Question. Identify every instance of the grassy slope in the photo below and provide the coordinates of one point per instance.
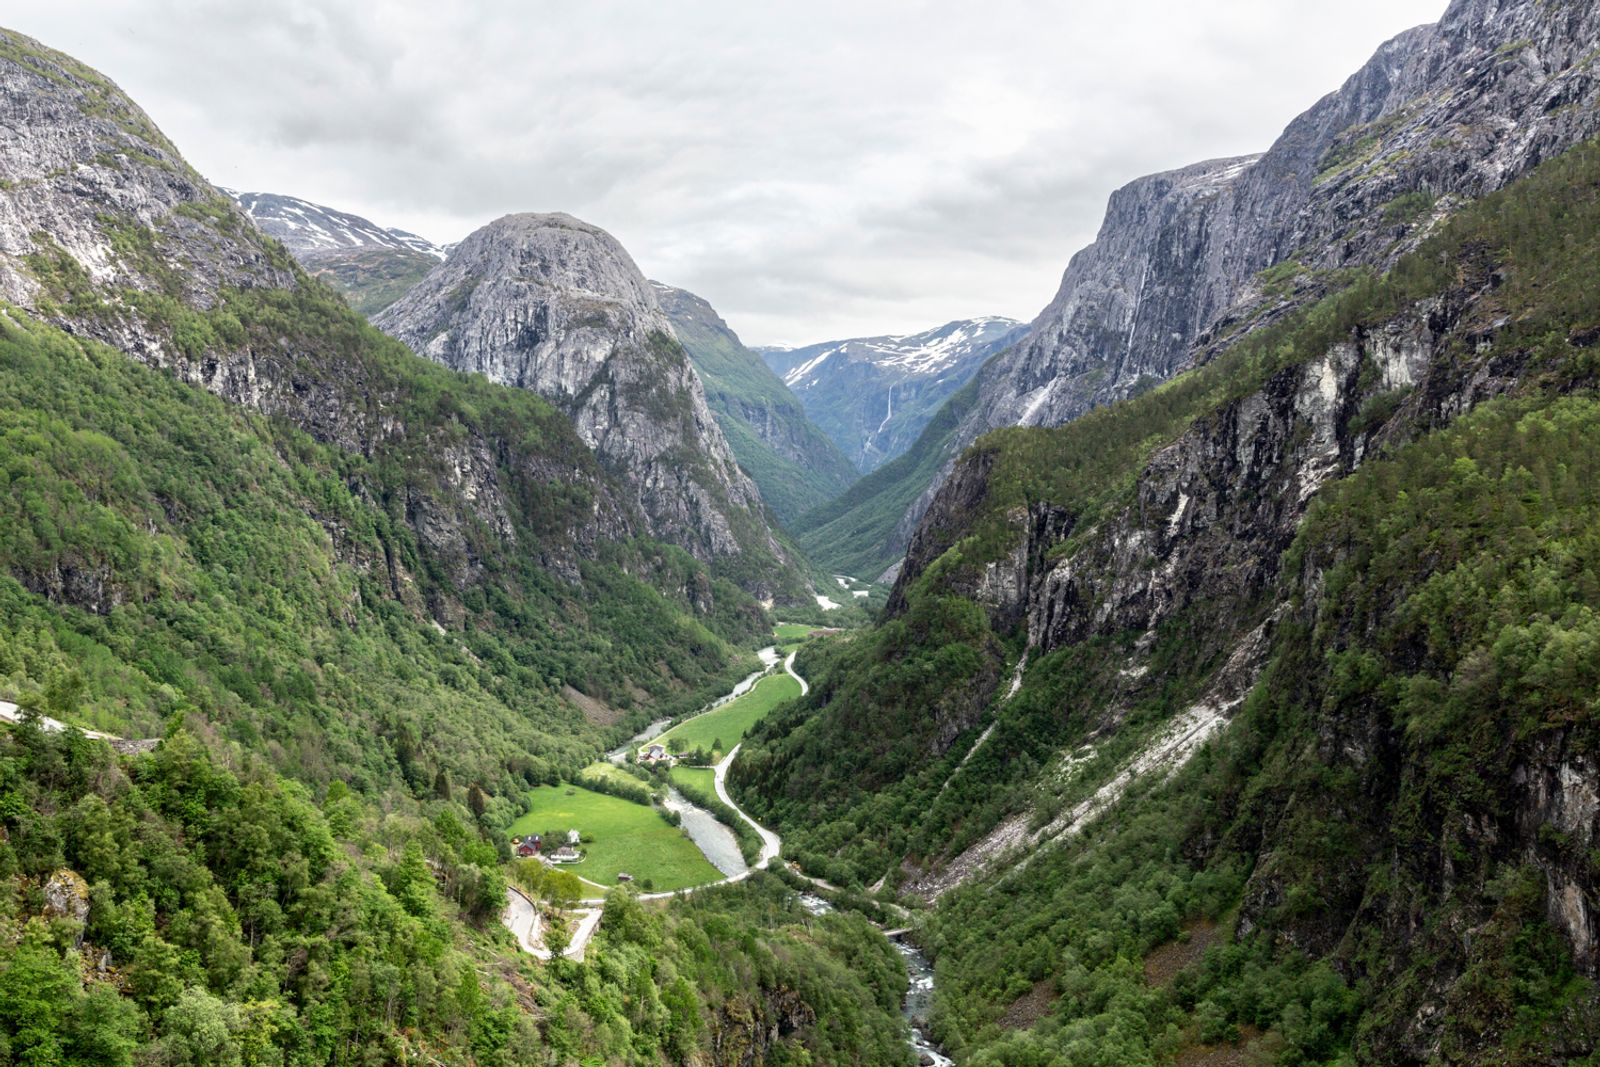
(372, 278)
(854, 533)
(740, 387)
(627, 837)
(734, 719)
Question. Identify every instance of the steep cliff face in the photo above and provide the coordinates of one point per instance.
(556, 306)
(875, 395)
(1331, 584)
(85, 173)
(1448, 111)
(794, 464)
(1187, 261)
(108, 233)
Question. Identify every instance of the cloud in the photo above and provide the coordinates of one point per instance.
(815, 170)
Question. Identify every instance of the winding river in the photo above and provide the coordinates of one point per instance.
(919, 992)
(721, 848)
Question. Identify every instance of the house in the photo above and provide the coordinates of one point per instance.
(565, 854)
(624, 876)
(573, 837)
(653, 754)
(527, 846)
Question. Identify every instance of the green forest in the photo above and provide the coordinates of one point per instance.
(1439, 619)
(209, 912)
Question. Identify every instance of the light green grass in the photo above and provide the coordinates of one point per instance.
(606, 769)
(731, 721)
(701, 778)
(627, 837)
(786, 632)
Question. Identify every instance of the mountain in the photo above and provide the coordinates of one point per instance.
(556, 306)
(245, 429)
(874, 395)
(371, 265)
(343, 608)
(1250, 718)
(792, 462)
(1440, 115)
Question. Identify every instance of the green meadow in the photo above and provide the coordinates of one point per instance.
(627, 837)
(733, 720)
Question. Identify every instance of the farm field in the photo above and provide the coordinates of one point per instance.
(695, 778)
(787, 633)
(730, 722)
(627, 837)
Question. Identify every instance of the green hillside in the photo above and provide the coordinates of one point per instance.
(1361, 841)
(854, 533)
(795, 465)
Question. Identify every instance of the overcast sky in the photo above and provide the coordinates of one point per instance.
(815, 169)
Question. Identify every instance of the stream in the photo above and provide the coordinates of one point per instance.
(721, 848)
(919, 991)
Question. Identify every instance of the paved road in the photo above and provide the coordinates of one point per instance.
(521, 916)
(9, 712)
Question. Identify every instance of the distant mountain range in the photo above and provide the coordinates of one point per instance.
(874, 395)
(372, 265)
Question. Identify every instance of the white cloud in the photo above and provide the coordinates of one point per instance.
(814, 169)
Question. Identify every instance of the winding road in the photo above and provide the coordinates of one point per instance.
(522, 917)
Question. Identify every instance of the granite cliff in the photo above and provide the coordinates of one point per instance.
(1188, 260)
(556, 306)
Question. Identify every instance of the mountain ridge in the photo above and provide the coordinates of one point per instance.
(1439, 115)
(549, 303)
(849, 387)
(795, 465)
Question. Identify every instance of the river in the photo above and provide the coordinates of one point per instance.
(721, 848)
(919, 991)
(707, 831)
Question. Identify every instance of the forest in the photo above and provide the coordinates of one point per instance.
(1435, 622)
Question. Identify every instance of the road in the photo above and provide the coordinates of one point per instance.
(9, 712)
(521, 916)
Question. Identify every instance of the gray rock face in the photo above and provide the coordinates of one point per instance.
(552, 304)
(874, 395)
(78, 163)
(1440, 114)
(1214, 510)
(99, 214)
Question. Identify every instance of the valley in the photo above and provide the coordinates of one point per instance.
(477, 654)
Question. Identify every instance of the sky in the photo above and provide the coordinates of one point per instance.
(816, 169)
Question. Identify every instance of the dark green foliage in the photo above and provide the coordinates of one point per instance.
(195, 557)
(1366, 835)
(240, 924)
(846, 785)
(794, 464)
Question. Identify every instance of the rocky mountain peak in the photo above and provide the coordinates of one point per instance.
(308, 229)
(874, 395)
(1439, 115)
(553, 304)
(90, 186)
